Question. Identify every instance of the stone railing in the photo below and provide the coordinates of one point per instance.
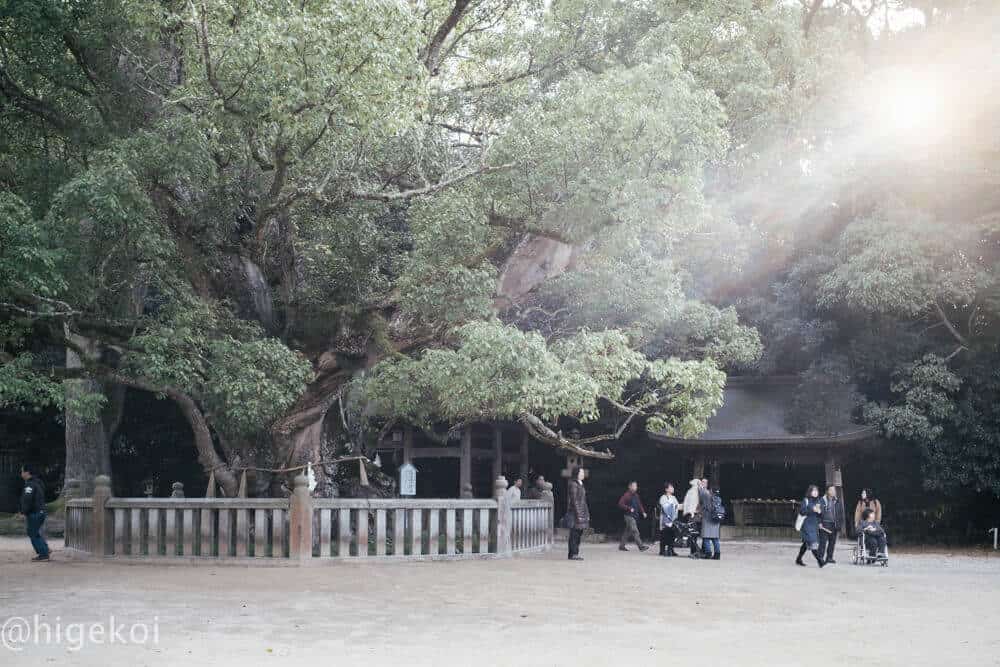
(532, 525)
(303, 529)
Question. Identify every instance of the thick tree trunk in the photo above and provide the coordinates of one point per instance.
(88, 442)
(298, 436)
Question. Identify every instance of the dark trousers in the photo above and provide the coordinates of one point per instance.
(574, 541)
(827, 543)
(875, 542)
(631, 532)
(667, 535)
(33, 524)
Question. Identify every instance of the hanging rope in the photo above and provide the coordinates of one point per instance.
(293, 468)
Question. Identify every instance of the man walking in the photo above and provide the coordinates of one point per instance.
(830, 520)
(632, 507)
(33, 511)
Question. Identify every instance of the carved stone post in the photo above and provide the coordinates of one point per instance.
(73, 488)
(300, 522)
(178, 490)
(100, 527)
(550, 527)
(504, 516)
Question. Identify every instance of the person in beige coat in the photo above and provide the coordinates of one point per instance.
(867, 501)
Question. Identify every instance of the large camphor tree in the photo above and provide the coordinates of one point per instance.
(302, 221)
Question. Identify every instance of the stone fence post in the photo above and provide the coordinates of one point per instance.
(550, 527)
(177, 490)
(100, 526)
(504, 516)
(300, 537)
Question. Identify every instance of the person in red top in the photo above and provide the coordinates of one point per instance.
(632, 508)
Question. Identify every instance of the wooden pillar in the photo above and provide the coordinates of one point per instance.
(497, 451)
(408, 444)
(465, 465)
(714, 475)
(835, 478)
(524, 456)
(699, 467)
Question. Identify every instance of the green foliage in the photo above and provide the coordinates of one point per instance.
(21, 385)
(244, 380)
(901, 263)
(28, 262)
(497, 372)
(380, 182)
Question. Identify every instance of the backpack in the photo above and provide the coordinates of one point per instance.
(718, 511)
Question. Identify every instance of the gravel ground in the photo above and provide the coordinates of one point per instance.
(754, 607)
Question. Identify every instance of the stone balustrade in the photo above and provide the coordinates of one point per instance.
(301, 529)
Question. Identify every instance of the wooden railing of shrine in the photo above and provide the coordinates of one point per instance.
(301, 529)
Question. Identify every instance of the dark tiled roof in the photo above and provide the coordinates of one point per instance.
(754, 411)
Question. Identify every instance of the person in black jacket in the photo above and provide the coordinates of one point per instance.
(830, 521)
(33, 511)
(811, 509)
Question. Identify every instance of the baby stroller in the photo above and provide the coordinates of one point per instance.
(866, 551)
(686, 533)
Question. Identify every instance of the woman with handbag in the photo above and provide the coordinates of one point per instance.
(810, 513)
(577, 517)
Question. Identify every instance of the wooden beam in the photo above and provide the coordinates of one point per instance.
(436, 452)
(497, 451)
(465, 466)
(524, 454)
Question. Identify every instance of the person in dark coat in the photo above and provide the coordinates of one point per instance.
(812, 511)
(33, 511)
(830, 522)
(711, 529)
(580, 512)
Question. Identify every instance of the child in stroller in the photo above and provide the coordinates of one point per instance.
(871, 546)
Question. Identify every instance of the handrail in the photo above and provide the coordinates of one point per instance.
(198, 503)
(399, 503)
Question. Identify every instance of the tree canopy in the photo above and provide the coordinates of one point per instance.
(445, 212)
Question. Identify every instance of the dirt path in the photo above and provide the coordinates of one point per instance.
(752, 608)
